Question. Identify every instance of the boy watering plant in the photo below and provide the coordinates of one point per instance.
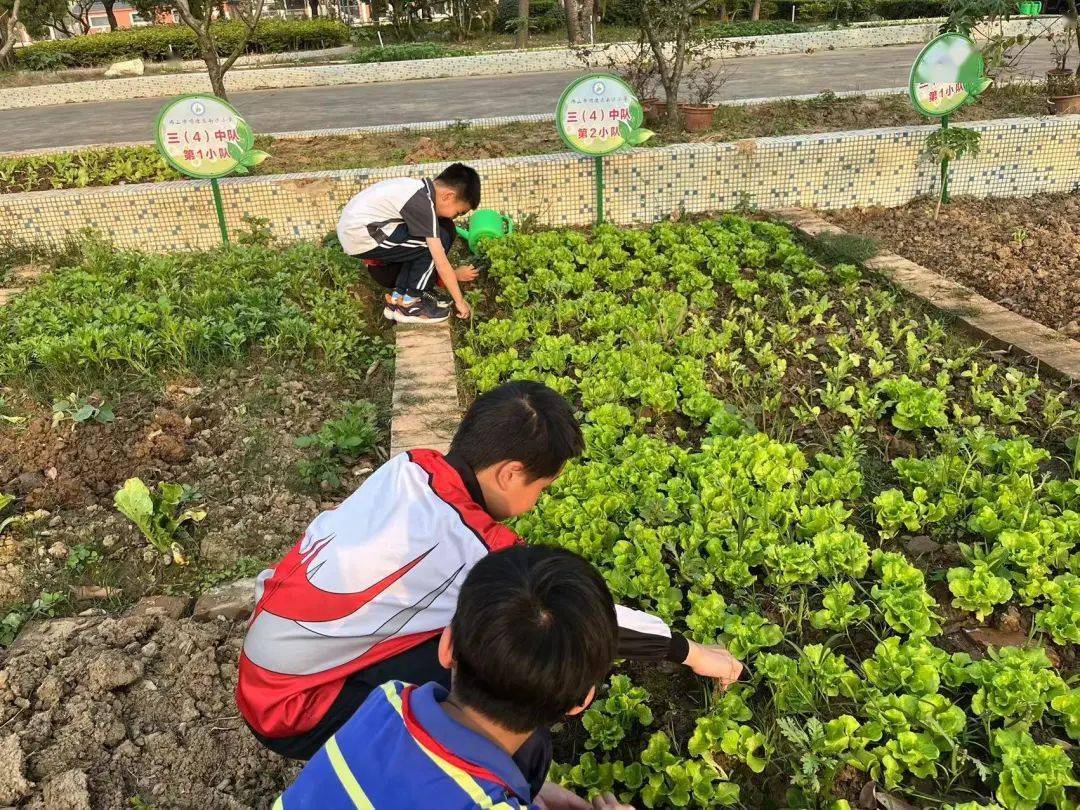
(364, 596)
(533, 634)
(403, 230)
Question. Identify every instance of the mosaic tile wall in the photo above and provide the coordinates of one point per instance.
(489, 64)
(1019, 157)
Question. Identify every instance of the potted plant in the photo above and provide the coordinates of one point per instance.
(704, 83)
(1063, 82)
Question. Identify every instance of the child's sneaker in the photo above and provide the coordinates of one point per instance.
(420, 310)
(393, 301)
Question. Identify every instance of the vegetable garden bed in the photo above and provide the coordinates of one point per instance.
(1021, 253)
(249, 383)
(827, 112)
(796, 460)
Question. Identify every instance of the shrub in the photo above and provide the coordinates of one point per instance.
(753, 28)
(405, 52)
(157, 43)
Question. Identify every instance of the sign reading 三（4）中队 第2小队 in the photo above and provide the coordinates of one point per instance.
(598, 114)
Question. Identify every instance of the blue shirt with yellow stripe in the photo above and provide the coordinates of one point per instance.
(401, 750)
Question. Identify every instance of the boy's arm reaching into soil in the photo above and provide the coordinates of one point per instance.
(644, 637)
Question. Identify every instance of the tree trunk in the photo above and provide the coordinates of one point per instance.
(523, 23)
(573, 35)
(314, 6)
(7, 41)
(109, 13)
(588, 21)
(214, 71)
(755, 12)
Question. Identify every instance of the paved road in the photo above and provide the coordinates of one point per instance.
(438, 99)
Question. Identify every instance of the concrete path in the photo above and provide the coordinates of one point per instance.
(476, 97)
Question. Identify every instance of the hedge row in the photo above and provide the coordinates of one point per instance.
(405, 52)
(156, 43)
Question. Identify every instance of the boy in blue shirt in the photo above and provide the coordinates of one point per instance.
(534, 632)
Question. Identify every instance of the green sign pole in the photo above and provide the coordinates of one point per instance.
(599, 114)
(945, 166)
(599, 190)
(947, 74)
(216, 188)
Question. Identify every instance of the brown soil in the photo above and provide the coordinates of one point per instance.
(97, 711)
(231, 438)
(1021, 253)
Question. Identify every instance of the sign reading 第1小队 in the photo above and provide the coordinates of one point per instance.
(205, 137)
(598, 114)
(947, 74)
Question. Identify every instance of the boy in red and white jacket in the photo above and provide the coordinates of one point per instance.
(364, 596)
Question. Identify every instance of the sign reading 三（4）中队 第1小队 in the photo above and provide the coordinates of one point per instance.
(598, 114)
(946, 75)
(205, 138)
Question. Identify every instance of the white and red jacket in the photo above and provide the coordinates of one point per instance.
(372, 578)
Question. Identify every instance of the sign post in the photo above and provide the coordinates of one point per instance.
(947, 74)
(599, 114)
(205, 138)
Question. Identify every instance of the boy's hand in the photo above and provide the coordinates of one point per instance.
(462, 307)
(556, 797)
(606, 801)
(713, 661)
(466, 273)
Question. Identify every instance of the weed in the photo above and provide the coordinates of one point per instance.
(80, 409)
(80, 557)
(338, 442)
(45, 606)
(837, 248)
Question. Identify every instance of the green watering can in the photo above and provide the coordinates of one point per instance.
(486, 223)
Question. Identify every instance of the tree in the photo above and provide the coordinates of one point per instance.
(573, 34)
(755, 10)
(9, 22)
(199, 16)
(668, 27)
(587, 20)
(523, 23)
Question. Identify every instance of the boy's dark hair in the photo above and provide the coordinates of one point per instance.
(464, 181)
(534, 630)
(519, 421)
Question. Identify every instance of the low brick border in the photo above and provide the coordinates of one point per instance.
(425, 407)
(990, 321)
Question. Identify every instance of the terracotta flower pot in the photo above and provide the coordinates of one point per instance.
(1063, 87)
(697, 118)
(653, 108)
(1066, 105)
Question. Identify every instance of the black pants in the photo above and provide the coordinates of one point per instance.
(418, 666)
(408, 267)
